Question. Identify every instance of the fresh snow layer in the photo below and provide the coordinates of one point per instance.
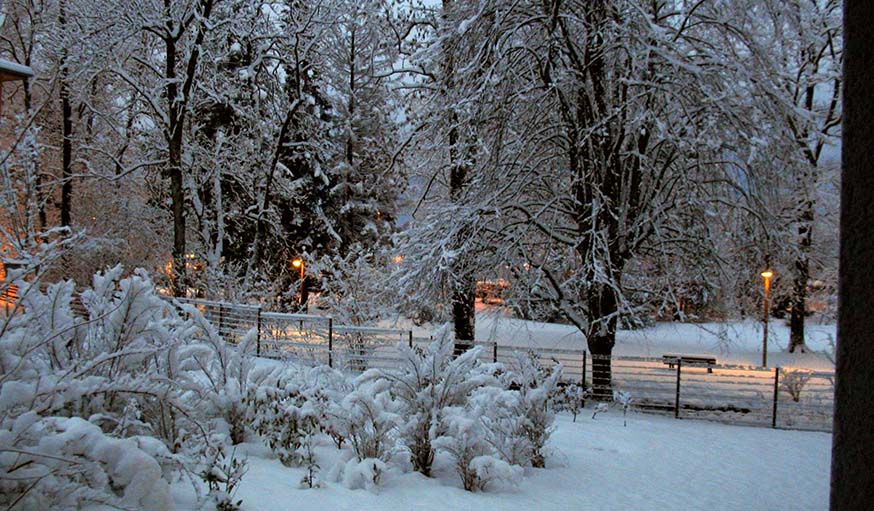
(653, 463)
(738, 342)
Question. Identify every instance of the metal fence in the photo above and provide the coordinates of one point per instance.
(305, 338)
(776, 397)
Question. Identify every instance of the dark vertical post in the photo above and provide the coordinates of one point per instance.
(852, 471)
(258, 326)
(495, 352)
(583, 375)
(221, 319)
(677, 399)
(776, 395)
(765, 315)
(411, 339)
(330, 342)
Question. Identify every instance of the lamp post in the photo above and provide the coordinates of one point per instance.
(298, 263)
(767, 274)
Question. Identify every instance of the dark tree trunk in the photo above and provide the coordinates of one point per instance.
(463, 316)
(177, 106)
(42, 217)
(603, 306)
(66, 157)
(67, 131)
(462, 284)
(852, 470)
(281, 139)
(798, 310)
(174, 166)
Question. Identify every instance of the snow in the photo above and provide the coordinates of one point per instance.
(738, 342)
(653, 463)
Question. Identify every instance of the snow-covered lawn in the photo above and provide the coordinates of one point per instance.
(654, 463)
(738, 342)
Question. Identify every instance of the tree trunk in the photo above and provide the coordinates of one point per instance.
(798, 310)
(463, 316)
(174, 168)
(601, 348)
(177, 105)
(463, 286)
(603, 307)
(42, 217)
(852, 470)
(67, 131)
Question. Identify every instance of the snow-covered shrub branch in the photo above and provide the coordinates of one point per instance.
(428, 382)
(521, 412)
(103, 404)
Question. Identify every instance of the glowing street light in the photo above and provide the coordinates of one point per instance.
(297, 262)
(767, 274)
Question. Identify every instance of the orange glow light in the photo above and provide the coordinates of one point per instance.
(767, 274)
(296, 263)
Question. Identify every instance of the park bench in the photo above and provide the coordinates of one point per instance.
(696, 360)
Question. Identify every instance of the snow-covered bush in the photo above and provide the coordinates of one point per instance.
(500, 412)
(307, 455)
(290, 404)
(427, 382)
(285, 416)
(65, 462)
(71, 386)
(794, 381)
(601, 407)
(222, 474)
(367, 418)
(623, 399)
(466, 439)
(524, 409)
(98, 406)
(571, 398)
(219, 374)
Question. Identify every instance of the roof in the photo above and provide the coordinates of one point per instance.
(11, 71)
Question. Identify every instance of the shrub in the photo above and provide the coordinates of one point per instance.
(466, 439)
(428, 382)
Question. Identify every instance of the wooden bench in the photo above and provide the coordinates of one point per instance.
(695, 360)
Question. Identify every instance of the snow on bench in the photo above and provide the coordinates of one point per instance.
(707, 360)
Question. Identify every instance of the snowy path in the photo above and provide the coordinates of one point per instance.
(654, 463)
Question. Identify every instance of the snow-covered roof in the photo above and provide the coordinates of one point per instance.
(12, 71)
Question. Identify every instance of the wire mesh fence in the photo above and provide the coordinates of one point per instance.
(777, 397)
(685, 386)
(232, 321)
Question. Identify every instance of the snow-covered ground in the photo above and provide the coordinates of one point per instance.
(731, 342)
(653, 463)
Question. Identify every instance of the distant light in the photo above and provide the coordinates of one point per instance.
(297, 262)
(767, 274)
(399, 259)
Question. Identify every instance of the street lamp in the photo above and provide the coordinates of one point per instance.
(297, 262)
(767, 274)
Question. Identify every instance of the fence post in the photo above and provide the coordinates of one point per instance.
(411, 339)
(583, 374)
(258, 338)
(330, 342)
(495, 352)
(677, 401)
(221, 318)
(776, 394)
